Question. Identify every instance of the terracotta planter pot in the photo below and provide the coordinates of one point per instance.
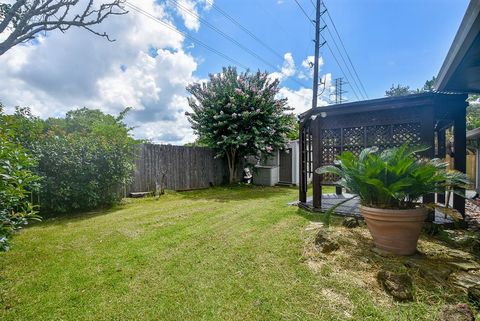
(395, 231)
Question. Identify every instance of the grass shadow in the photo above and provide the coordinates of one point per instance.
(237, 192)
(65, 218)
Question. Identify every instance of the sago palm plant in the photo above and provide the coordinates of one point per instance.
(395, 178)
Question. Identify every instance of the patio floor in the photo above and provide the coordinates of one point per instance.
(352, 207)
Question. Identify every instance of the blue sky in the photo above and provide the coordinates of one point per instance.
(149, 66)
(389, 41)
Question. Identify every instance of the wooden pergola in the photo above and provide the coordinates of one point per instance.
(426, 119)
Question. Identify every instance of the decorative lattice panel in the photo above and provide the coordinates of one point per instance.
(331, 137)
(329, 154)
(309, 152)
(354, 136)
(406, 133)
(380, 136)
(356, 150)
(355, 139)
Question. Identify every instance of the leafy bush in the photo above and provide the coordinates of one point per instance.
(17, 182)
(394, 178)
(240, 114)
(84, 158)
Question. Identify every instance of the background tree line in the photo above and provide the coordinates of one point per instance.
(61, 165)
(473, 109)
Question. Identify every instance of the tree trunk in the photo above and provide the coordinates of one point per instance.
(231, 159)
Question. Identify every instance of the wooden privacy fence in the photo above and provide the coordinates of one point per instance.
(184, 168)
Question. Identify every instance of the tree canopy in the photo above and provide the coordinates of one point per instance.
(401, 90)
(23, 20)
(83, 159)
(239, 115)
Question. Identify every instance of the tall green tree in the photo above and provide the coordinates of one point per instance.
(473, 109)
(428, 86)
(239, 115)
(24, 20)
(398, 90)
(401, 90)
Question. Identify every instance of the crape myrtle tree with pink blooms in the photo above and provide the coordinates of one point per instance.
(239, 114)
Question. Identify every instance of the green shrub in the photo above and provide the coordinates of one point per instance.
(394, 178)
(17, 182)
(84, 159)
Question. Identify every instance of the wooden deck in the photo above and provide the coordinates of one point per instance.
(352, 207)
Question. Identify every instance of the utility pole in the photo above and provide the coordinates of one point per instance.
(317, 179)
(339, 90)
(318, 45)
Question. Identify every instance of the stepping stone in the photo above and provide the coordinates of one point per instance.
(459, 312)
(464, 279)
(430, 270)
(325, 244)
(399, 286)
(350, 222)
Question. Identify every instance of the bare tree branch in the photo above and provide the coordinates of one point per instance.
(25, 19)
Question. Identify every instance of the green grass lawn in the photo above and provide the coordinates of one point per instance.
(219, 254)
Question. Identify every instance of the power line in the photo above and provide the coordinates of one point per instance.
(346, 52)
(231, 39)
(343, 59)
(364, 93)
(303, 10)
(318, 45)
(251, 34)
(223, 34)
(343, 72)
(226, 57)
(331, 51)
(148, 15)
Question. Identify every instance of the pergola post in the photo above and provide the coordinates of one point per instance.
(460, 151)
(302, 178)
(316, 162)
(428, 139)
(441, 153)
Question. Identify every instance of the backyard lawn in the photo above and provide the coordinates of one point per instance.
(227, 253)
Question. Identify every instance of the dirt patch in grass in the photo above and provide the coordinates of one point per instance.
(434, 269)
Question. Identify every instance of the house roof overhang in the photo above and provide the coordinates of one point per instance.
(460, 71)
(391, 103)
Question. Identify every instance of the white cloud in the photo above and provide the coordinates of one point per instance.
(189, 11)
(301, 99)
(76, 69)
(288, 68)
